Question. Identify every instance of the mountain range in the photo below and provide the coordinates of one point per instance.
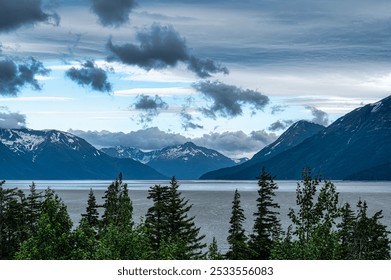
(27, 154)
(357, 146)
(185, 161)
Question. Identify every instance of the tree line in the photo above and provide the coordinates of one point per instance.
(36, 225)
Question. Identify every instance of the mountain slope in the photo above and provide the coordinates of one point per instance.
(186, 161)
(356, 146)
(51, 154)
(293, 136)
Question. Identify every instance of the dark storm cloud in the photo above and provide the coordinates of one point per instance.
(151, 106)
(90, 75)
(113, 12)
(320, 117)
(10, 119)
(205, 67)
(161, 47)
(17, 13)
(14, 76)
(227, 100)
(280, 125)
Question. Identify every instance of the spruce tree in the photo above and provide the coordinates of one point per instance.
(33, 207)
(156, 217)
(370, 237)
(12, 221)
(52, 239)
(118, 209)
(169, 226)
(181, 227)
(92, 215)
(213, 251)
(237, 239)
(267, 226)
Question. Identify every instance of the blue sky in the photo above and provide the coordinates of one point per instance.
(229, 75)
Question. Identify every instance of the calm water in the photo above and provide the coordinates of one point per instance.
(212, 200)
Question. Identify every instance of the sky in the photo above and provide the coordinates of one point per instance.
(227, 75)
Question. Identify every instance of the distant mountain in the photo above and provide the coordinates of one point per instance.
(186, 161)
(293, 136)
(130, 152)
(357, 146)
(52, 154)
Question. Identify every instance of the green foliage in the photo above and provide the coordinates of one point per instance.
(12, 221)
(38, 226)
(366, 238)
(213, 251)
(237, 239)
(169, 225)
(91, 217)
(118, 208)
(267, 226)
(51, 241)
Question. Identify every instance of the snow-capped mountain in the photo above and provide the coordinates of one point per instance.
(186, 161)
(52, 154)
(130, 152)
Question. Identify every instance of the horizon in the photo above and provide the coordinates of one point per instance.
(233, 76)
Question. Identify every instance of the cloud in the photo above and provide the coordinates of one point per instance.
(113, 13)
(151, 106)
(10, 119)
(13, 76)
(228, 101)
(147, 139)
(187, 119)
(280, 125)
(90, 75)
(237, 143)
(161, 47)
(320, 117)
(15, 14)
(233, 144)
(277, 109)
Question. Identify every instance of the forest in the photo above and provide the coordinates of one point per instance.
(36, 225)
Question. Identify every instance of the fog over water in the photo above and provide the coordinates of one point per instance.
(212, 200)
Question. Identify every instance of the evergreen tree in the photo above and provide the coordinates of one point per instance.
(169, 226)
(12, 221)
(181, 227)
(267, 226)
(118, 209)
(315, 220)
(370, 237)
(156, 217)
(237, 239)
(345, 231)
(52, 238)
(92, 215)
(33, 207)
(213, 251)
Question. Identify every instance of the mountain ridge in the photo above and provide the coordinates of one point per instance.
(53, 154)
(357, 143)
(185, 161)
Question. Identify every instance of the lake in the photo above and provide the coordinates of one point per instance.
(212, 200)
